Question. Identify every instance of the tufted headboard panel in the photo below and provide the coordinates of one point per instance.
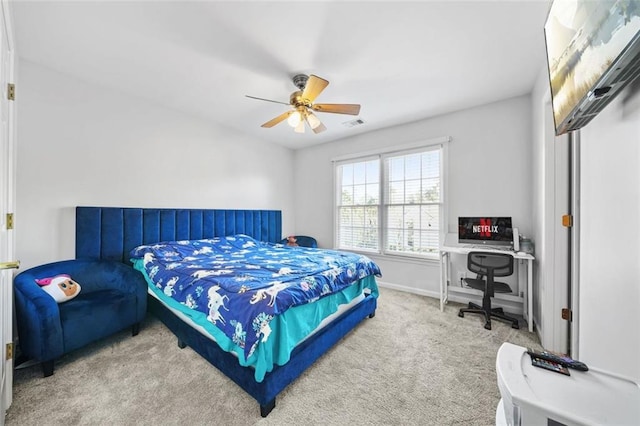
(111, 232)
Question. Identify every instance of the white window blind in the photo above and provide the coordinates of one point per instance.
(391, 203)
(359, 205)
(412, 202)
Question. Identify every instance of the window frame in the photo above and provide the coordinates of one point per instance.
(383, 202)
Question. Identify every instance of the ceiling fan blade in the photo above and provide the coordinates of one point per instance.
(277, 120)
(268, 100)
(315, 85)
(313, 122)
(351, 109)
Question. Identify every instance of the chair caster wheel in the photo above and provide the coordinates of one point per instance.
(488, 326)
(516, 326)
(461, 314)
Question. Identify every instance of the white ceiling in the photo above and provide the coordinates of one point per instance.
(402, 61)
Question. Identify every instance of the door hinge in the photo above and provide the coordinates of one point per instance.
(566, 314)
(567, 220)
(11, 92)
(9, 220)
(9, 351)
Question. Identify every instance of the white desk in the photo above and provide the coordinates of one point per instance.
(445, 273)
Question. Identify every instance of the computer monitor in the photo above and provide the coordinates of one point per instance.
(485, 230)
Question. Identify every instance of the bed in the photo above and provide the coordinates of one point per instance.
(202, 304)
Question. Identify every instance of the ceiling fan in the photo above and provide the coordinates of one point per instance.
(301, 101)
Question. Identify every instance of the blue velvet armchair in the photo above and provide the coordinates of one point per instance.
(113, 297)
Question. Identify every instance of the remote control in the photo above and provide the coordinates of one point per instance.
(560, 359)
(549, 365)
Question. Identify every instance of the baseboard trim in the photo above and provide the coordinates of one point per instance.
(508, 307)
(407, 289)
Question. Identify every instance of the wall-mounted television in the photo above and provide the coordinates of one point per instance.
(485, 230)
(593, 52)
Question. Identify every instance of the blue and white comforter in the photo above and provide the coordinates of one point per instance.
(241, 283)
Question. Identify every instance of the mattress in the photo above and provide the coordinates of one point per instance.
(258, 300)
(288, 330)
(341, 308)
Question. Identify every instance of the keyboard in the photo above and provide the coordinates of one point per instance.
(490, 247)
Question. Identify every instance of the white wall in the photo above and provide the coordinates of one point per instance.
(489, 174)
(550, 200)
(79, 144)
(538, 161)
(609, 332)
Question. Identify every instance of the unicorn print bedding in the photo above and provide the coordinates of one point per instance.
(256, 299)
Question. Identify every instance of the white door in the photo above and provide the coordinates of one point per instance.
(7, 200)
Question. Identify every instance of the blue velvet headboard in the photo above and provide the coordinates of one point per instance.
(111, 232)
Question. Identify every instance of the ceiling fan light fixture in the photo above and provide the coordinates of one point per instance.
(300, 127)
(313, 121)
(294, 119)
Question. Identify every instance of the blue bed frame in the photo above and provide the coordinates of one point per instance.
(111, 232)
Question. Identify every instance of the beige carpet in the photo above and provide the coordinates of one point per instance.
(410, 365)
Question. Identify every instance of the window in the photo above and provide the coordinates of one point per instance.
(359, 205)
(391, 203)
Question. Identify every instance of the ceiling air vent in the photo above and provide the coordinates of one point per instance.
(353, 123)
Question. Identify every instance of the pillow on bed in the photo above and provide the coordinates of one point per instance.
(60, 287)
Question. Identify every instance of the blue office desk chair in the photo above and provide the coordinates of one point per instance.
(489, 265)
